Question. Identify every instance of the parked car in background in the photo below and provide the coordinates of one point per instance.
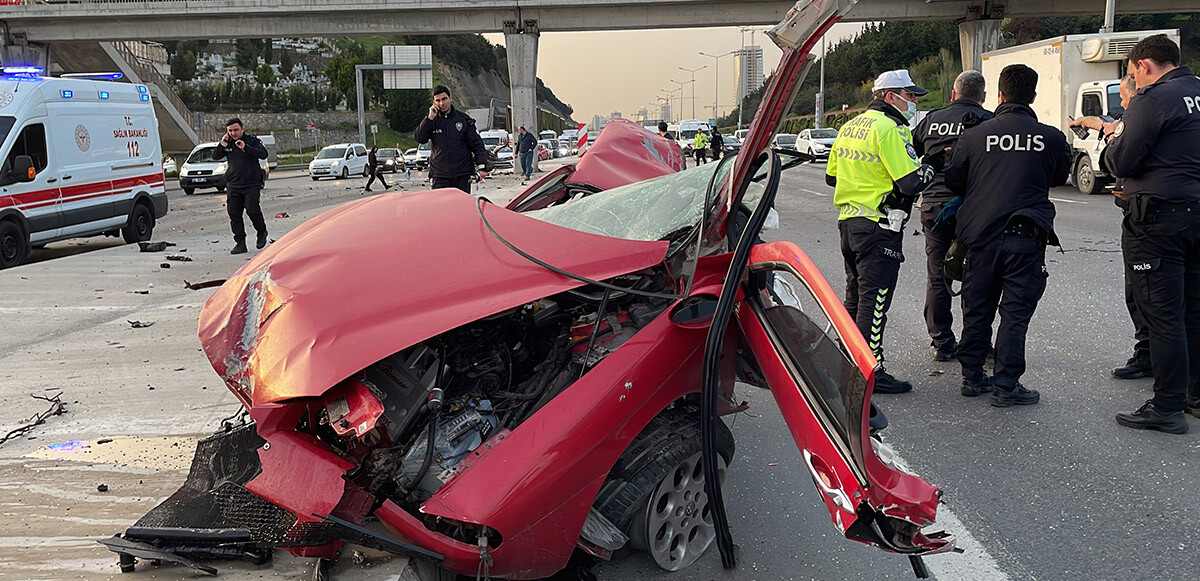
(411, 157)
(169, 164)
(424, 152)
(495, 137)
(340, 161)
(784, 141)
(543, 152)
(502, 156)
(201, 171)
(547, 134)
(390, 159)
(548, 145)
(564, 148)
(730, 145)
(741, 134)
(816, 142)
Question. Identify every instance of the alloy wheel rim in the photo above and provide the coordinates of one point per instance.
(679, 524)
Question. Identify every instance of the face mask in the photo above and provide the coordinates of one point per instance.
(911, 111)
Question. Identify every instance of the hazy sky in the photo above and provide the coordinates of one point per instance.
(601, 72)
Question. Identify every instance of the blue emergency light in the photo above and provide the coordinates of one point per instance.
(22, 70)
(142, 89)
(103, 94)
(145, 97)
(94, 76)
(67, 93)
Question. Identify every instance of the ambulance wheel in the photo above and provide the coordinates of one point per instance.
(140, 226)
(189, 191)
(14, 244)
(1085, 178)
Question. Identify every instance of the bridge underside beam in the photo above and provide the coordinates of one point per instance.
(248, 18)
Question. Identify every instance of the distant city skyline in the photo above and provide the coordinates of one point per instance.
(600, 72)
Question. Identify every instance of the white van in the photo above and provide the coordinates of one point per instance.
(81, 157)
(547, 134)
(688, 128)
(342, 160)
(201, 171)
(494, 138)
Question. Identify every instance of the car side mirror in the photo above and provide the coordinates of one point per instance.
(22, 171)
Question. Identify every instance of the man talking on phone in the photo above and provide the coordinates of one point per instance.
(244, 180)
(456, 148)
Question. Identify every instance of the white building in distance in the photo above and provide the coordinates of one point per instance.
(750, 71)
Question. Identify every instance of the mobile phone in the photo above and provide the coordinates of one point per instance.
(1079, 130)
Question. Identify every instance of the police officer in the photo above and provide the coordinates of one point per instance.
(874, 170)
(1004, 169)
(1156, 149)
(457, 147)
(244, 180)
(1138, 366)
(933, 137)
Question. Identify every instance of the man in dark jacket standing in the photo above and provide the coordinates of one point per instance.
(1156, 149)
(244, 180)
(456, 148)
(1005, 168)
(717, 144)
(526, 146)
(934, 135)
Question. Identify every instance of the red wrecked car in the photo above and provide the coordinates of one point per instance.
(489, 390)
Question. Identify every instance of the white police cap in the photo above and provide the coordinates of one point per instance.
(898, 79)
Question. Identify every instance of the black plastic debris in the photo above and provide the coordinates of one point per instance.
(205, 284)
(154, 246)
(165, 265)
(103, 440)
(102, 488)
(140, 324)
(179, 258)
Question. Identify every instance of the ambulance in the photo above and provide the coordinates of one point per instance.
(81, 157)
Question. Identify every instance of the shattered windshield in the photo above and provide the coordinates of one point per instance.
(664, 207)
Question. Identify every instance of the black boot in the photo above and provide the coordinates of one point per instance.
(1003, 398)
(1137, 367)
(262, 239)
(976, 387)
(1149, 417)
(239, 248)
(945, 351)
(1194, 409)
(885, 383)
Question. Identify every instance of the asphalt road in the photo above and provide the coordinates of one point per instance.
(1048, 492)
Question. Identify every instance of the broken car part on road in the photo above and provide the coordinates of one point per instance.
(543, 396)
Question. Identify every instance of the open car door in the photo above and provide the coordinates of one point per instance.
(821, 372)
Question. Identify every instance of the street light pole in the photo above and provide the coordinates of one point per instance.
(821, 92)
(717, 79)
(693, 81)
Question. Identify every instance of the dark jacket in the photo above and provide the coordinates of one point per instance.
(941, 129)
(526, 143)
(457, 147)
(716, 142)
(1156, 147)
(372, 161)
(1005, 167)
(242, 170)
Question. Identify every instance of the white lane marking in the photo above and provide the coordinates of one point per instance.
(1066, 201)
(813, 193)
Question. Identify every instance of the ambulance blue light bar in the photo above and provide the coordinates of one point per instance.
(94, 76)
(23, 70)
(67, 93)
(103, 94)
(142, 89)
(145, 97)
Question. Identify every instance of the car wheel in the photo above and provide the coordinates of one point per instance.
(1085, 178)
(315, 178)
(345, 172)
(366, 172)
(264, 176)
(655, 492)
(14, 244)
(189, 191)
(220, 189)
(140, 226)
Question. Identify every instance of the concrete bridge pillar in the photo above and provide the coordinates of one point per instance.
(521, 43)
(976, 37)
(26, 54)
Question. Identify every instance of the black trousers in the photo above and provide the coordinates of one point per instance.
(244, 200)
(1163, 256)
(872, 256)
(701, 156)
(1008, 273)
(716, 154)
(376, 174)
(1141, 333)
(463, 183)
(939, 318)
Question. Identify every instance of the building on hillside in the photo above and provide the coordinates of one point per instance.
(750, 71)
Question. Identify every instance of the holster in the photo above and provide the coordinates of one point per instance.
(1141, 209)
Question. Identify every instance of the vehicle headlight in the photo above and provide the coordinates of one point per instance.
(221, 167)
(336, 163)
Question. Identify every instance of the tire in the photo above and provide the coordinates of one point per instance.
(14, 244)
(316, 179)
(668, 444)
(366, 172)
(220, 189)
(189, 191)
(1085, 178)
(264, 176)
(140, 227)
(345, 172)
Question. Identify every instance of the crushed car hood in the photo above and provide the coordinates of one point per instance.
(373, 277)
(623, 154)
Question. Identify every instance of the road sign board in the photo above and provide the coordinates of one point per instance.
(297, 133)
(419, 57)
(374, 128)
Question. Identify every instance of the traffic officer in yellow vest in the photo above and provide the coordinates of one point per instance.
(877, 177)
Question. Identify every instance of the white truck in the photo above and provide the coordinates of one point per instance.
(1078, 75)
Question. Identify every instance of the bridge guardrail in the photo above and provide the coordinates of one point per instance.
(150, 76)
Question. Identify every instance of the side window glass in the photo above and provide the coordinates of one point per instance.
(360, 150)
(1092, 105)
(32, 142)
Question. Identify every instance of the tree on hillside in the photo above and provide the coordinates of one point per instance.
(247, 52)
(183, 66)
(406, 108)
(287, 62)
(264, 75)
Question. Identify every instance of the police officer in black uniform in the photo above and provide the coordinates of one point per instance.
(1005, 168)
(1156, 149)
(934, 135)
(457, 147)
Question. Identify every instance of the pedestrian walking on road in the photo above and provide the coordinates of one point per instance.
(1155, 148)
(1004, 168)
(375, 169)
(876, 177)
(243, 181)
(700, 147)
(716, 144)
(526, 147)
(934, 136)
(457, 149)
(1139, 365)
